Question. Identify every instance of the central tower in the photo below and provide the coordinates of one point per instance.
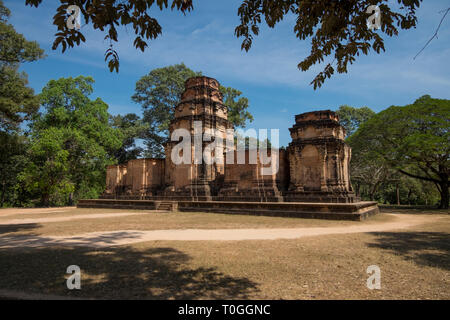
(201, 106)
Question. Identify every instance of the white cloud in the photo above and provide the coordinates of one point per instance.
(210, 46)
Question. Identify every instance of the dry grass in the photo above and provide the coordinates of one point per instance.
(414, 210)
(148, 220)
(9, 214)
(415, 263)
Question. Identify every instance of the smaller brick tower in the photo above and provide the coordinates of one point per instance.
(319, 159)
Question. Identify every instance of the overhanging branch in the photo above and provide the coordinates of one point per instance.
(418, 177)
(435, 33)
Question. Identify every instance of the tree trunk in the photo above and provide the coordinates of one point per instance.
(398, 194)
(45, 199)
(358, 194)
(373, 190)
(3, 195)
(444, 195)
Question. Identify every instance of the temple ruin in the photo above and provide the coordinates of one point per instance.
(312, 172)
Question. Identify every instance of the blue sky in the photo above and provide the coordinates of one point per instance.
(267, 75)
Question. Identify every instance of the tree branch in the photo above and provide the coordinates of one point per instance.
(418, 177)
(435, 33)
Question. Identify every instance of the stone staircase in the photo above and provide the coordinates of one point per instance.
(267, 192)
(166, 206)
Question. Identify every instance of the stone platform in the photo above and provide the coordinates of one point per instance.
(332, 211)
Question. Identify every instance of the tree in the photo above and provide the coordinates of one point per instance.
(106, 16)
(14, 48)
(336, 28)
(414, 140)
(237, 109)
(159, 92)
(132, 128)
(17, 103)
(69, 143)
(47, 174)
(403, 190)
(367, 169)
(12, 162)
(351, 118)
(17, 100)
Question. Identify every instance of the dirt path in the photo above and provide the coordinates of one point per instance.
(125, 237)
(29, 211)
(70, 218)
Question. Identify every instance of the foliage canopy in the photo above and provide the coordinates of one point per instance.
(17, 100)
(159, 92)
(69, 142)
(414, 140)
(337, 29)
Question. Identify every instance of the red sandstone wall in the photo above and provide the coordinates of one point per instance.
(115, 177)
(143, 174)
(246, 176)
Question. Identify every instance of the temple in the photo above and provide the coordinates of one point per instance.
(312, 172)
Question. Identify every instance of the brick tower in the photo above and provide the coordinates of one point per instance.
(319, 159)
(201, 104)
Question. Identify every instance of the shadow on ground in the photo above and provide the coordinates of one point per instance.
(33, 263)
(424, 248)
(118, 273)
(12, 238)
(8, 228)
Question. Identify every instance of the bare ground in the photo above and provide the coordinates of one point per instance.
(315, 260)
(124, 237)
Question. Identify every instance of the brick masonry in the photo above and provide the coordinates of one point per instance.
(313, 169)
